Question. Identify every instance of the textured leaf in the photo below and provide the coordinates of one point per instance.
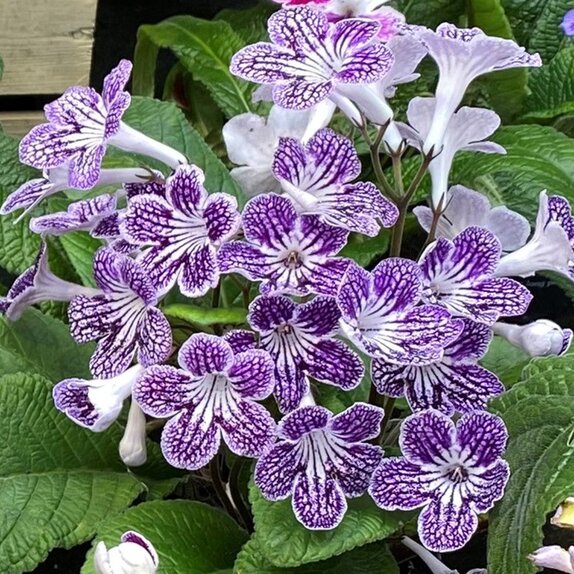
(373, 558)
(539, 414)
(80, 248)
(58, 482)
(205, 49)
(286, 543)
(164, 122)
(37, 343)
(431, 12)
(206, 316)
(250, 24)
(505, 360)
(190, 537)
(364, 250)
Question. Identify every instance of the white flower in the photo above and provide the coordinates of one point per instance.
(134, 555)
(133, 449)
(541, 338)
(554, 557)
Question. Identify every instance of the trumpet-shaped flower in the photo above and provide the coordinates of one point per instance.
(554, 557)
(321, 460)
(212, 395)
(134, 555)
(122, 317)
(288, 252)
(133, 447)
(453, 472)
(318, 178)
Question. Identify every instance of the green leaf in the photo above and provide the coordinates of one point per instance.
(373, 558)
(250, 24)
(507, 89)
(505, 360)
(37, 343)
(539, 415)
(206, 317)
(552, 87)
(190, 537)
(80, 248)
(431, 13)
(204, 48)
(364, 250)
(58, 482)
(164, 122)
(286, 543)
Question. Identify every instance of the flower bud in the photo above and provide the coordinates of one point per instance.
(133, 450)
(134, 555)
(541, 338)
(554, 557)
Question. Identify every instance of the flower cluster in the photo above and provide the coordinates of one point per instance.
(316, 321)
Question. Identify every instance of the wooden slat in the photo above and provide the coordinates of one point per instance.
(19, 123)
(46, 45)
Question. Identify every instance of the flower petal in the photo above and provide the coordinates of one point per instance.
(27, 195)
(114, 353)
(353, 292)
(426, 437)
(388, 378)
(184, 189)
(241, 257)
(221, 217)
(366, 65)
(89, 318)
(147, 220)
(303, 421)
(353, 33)
(291, 384)
(200, 272)
(301, 94)
(267, 219)
(276, 470)
(488, 486)
(289, 160)
(85, 167)
(482, 437)
(116, 80)
(331, 361)
(355, 468)
(154, 338)
(396, 284)
(204, 354)
(319, 317)
(252, 374)
(241, 340)
(262, 62)
(267, 312)
(300, 30)
(318, 504)
(359, 422)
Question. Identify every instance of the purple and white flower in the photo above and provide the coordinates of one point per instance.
(308, 60)
(551, 247)
(452, 383)
(288, 252)
(554, 557)
(134, 555)
(212, 395)
(459, 275)
(567, 24)
(541, 338)
(122, 317)
(82, 124)
(453, 472)
(318, 178)
(38, 284)
(462, 55)
(182, 232)
(301, 340)
(466, 130)
(469, 208)
(321, 460)
(382, 316)
(97, 403)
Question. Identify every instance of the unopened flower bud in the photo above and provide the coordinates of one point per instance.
(134, 555)
(133, 450)
(554, 557)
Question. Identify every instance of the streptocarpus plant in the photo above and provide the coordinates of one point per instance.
(302, 386)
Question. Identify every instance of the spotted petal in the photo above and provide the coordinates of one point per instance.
(154, 338)
(204, 354)
(318, 503)
(276, 471)
(252, 374)
(359, 422)
(331, 361)
(303, 421)
(483, 437)
(425, 437)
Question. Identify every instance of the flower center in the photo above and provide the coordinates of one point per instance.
(284, 329)
(458, 474)
(294, 260)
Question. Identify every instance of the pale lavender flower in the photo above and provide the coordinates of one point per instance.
(318, 178)
(455, 382)
(453, 472)
(463, 54)
(181, 233)
(321, 460)
(134, 555)
(541, 338)
(554, 557)
(466, 131)
(551, 248)
(95, 404)
(212, 396)
(82, 124)
(382, 316)
(38, 284)
(301, 340)
(567, 24)
(288, 252)
(122, 317)
(308, 59)
(469, 208)
(459, 275)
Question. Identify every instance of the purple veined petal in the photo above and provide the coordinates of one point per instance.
(328, 277)
(115, 113)
(397, 285)
(190, 442)
(559, 210)
(136, 279)
(154, 338)
(289, 161)
(359, 422)
(301, 94)
(267, 312)
(251, 374)
(318, 503)
(302, 421)
(45, 147)
(27, 195)
(356, 466)
(221, 217)
(250, 431)
(398, 484)
(482, 437)
(488, 486)
(204, 354)
(366, 65)
(85, 167)
(319, 238)
(291, 384)
(154, 186)
(77, 106)
(267, 219)
(472, 343)
(388, 378)
(241, 257)
(276, 470)
(116, 80)
(319, 317)
(107, 271)
(162, 390)
(353, 292)
(302, 30)
(184, 189)
(148, 220)
(353, 33)
(446, 526)
(331, 361)
(136, 538)
(114, 353)
(241, 340)
(262, 63)
(476, 385)
(90, 318)
(427, 437)
(108, 227)
(200, 272)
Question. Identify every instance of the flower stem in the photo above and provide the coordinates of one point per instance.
(220, 488)
(389, 406)
(374, 149)
(235, 490)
